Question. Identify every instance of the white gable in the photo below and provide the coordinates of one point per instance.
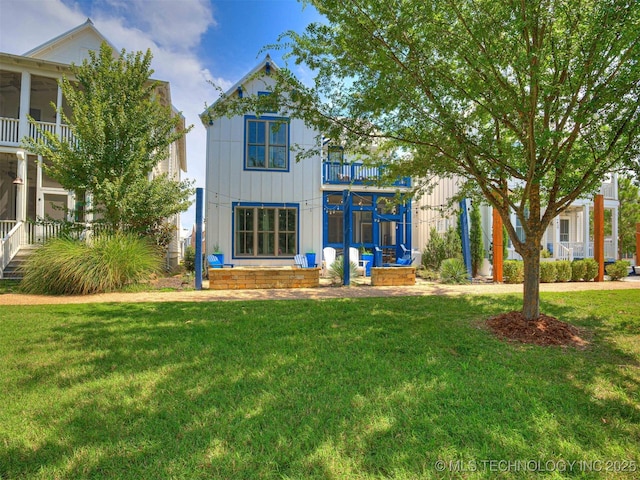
(72, 46)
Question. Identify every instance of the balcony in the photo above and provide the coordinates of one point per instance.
(336, 173)
(608, 191)
(10, 131)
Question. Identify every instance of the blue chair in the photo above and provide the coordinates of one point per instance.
(214, 262)
(404, 261)
(300, 261)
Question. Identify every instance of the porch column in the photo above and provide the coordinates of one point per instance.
(58, 115)
(585, 228)
(598, 235)
(614, 233)
(39, 194)
(556, 237)
(21, 188)
(25, 104)
(498, 246)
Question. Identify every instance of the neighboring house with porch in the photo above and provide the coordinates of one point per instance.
(28, 86)
(262, 207)
(568, 237)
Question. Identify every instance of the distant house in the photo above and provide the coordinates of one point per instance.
(568, 237)
(28, 86)
(262, 207)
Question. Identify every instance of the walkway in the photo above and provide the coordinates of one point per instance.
(324, 292)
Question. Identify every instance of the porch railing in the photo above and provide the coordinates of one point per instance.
(10, 244)
(565, 252)
(337, 173)
(578, 249)
(608, 191)
(9, 130)
(45, 126)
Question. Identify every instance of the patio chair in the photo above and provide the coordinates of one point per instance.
(404, 261)
(214, 262)
(354, 256)
(329, 256)
(300, 261)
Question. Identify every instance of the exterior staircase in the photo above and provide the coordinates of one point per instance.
(13, 270)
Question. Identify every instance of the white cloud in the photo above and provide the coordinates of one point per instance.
(170, 29)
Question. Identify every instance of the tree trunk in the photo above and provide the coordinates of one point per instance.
(531, 301)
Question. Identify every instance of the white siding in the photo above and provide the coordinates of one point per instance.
(228, 182)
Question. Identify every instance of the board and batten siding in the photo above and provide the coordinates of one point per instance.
(228, 182)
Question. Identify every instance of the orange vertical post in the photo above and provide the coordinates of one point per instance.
(497, 246)
(598, 235)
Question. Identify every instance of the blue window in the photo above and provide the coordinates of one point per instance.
(266, 143)
(265, 230)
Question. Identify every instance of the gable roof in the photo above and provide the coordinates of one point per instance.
(204, 116)
(47, 51)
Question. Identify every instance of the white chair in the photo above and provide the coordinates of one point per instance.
(354, 256)
(329, 256)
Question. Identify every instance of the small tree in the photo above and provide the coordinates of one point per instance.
(121, 132)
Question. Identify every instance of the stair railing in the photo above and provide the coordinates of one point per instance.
(9, 246)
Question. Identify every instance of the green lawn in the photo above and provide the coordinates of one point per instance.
(336, 389)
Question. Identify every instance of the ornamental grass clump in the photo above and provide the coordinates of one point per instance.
(72, 267)
(453, 271)
(336, 271)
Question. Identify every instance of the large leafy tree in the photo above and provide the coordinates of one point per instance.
(533, 101)
(121, 132)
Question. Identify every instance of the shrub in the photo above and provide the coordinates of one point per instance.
(513, 271)
(563, 271)
(618, 270)
(190, 259)
(441, 247)
(548, 272)
(336, 271)
(428, 274)
(65, 266)
(578, 269)
(453, 271)
(591, 269)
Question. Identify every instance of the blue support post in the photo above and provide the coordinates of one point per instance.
(464, 236)
(346, 202)
(198, 259)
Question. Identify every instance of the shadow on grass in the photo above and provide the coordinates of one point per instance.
(362, 388)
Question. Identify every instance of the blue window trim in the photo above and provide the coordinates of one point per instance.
(244, 154)
(234, 205)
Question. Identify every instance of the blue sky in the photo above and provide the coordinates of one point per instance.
(192, 41)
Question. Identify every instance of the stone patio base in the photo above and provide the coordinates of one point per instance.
(393, 276)
(263, 277)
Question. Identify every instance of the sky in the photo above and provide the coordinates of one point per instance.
(192, 41)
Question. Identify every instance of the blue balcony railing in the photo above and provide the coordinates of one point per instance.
(336, 173)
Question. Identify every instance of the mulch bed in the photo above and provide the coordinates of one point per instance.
(544, 331)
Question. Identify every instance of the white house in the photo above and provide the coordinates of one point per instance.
(568, 236)
(262, 207)
(28, 86)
